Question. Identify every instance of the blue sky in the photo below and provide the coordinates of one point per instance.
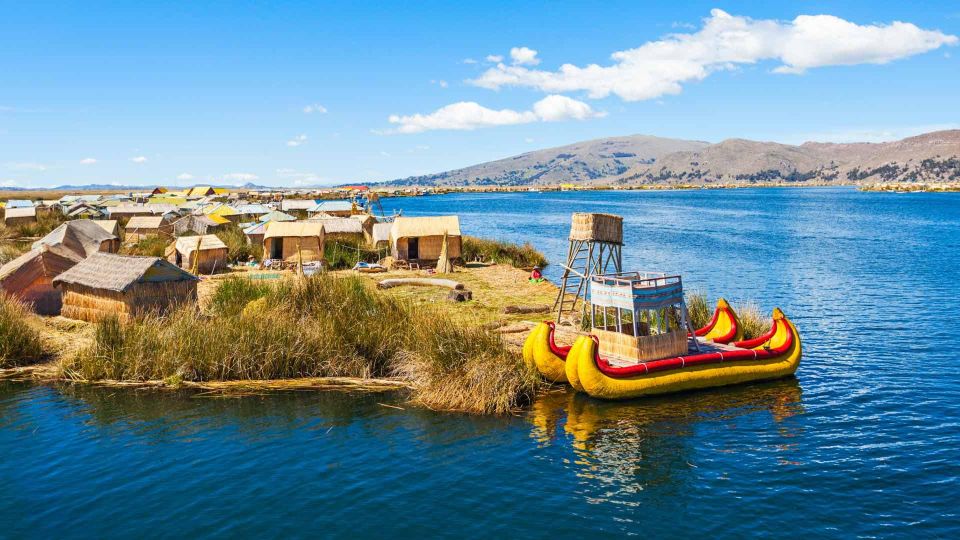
(301, 93)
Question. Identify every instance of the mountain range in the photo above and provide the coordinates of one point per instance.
(647, 160)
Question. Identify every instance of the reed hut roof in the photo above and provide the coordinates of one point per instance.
(29, 211)
(259, 227)
(145, 222)
(217, 219)
(333, 206)
(112, 226)
(19, 203)
(297, 204)
(300, 229)
(335, 225)
(381, 232)
(277, 215)
(410, 227)
(120, 272)
(208, 242)
(252, 209)
(81, 237)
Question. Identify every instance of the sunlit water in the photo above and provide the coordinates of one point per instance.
(864, 442)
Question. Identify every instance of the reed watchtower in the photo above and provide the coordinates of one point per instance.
(596, 242)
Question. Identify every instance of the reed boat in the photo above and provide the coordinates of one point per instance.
(772, 356)
(541, 351)
(642, 343)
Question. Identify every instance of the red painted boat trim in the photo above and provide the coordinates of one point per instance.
(726, 338)
(703, 331)
(680, 362)
(562, 352)
(757, 341)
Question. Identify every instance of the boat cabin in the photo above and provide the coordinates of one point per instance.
(639, 316)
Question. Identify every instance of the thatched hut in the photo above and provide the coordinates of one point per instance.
(202, 254)
(255, 232)
(198, 224)
(141, 227)
(30, 276)
(19, 216)
(82, 237)
(294, 241)
(105, 285)
(421, 238)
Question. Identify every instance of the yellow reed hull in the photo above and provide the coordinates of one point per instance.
(537, 354)
(582, 367)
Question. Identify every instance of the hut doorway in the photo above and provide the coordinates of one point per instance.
(276, 248)
(413, 249)
(179, 260)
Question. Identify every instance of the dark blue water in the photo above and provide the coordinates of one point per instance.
(864, 442)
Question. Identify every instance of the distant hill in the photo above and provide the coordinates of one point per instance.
(645, 160)
(575, 163)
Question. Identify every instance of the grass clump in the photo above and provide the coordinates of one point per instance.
(239, 248)
(315, 327)
(343, 255)
(698, 305)
(20, 343)
(753, 322)
(151, 246)
(480, 249)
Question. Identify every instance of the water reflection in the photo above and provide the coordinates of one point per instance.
(637, 444)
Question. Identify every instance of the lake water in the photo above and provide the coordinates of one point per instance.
(864, 442)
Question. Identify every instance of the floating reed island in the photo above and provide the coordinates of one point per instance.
(199, 290)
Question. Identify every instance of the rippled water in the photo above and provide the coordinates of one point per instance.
(864, 442)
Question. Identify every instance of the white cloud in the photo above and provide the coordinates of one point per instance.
(528, 140)
(88, 161)
(243, 177)
(139, 159)
(384, 154)
(26, 166)
(469, 115)
(660, 67)
(468, 61)
(184, 176)
(8, 183)
(315, 108)
(297, 141)
(443, 84)
(523, 56)
(495, 58)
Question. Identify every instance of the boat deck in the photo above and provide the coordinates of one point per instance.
(705, 347)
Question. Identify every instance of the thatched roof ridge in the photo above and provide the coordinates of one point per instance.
(334, 225)
(120, 272)
(208, 242)
(145, 222)
(301, 229)
(409, 227)
(83, 237)
(30, 211)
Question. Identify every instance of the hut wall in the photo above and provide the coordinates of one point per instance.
(310, 248)
(17, 221)
(211, 260)
(94, 305)
(428, 247)
(42, 297)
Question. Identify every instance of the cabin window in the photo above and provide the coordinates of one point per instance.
(413, 248)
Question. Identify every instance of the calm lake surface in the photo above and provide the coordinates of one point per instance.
(864, 442)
